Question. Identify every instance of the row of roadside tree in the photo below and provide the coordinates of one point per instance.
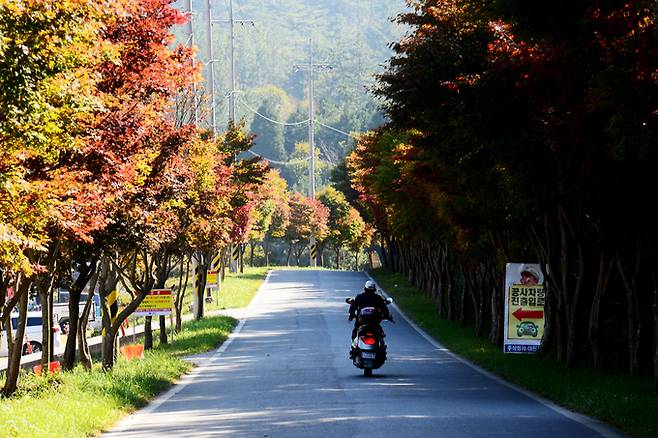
(107, 182)
(524, 133)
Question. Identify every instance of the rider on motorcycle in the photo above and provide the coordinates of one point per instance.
(369, 298)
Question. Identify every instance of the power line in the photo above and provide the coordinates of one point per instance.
(269, 119)
(337, 130)
(280, 163)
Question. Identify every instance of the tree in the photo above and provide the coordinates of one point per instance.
(271, 193)
(47, 52)
(507, 153)
(137, 149)
(340, 221)
(308, 218)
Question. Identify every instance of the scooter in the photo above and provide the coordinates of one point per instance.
(368, 347)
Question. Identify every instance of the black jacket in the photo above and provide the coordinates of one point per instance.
(369, 299)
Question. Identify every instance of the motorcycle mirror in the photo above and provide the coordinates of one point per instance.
(389, 300)
(349, 300)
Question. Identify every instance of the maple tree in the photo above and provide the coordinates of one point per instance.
(308, 219)
(347, 230)
(521, 132)
(47, 52)
(268, 218)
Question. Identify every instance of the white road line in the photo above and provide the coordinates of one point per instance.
(127, 422)
(591, 423)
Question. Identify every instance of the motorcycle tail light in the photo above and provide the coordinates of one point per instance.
(368, 340)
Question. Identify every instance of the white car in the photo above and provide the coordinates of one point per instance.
(33, 334)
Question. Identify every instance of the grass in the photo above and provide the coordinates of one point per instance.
(625, 402)
(82, 403)
(237, 290)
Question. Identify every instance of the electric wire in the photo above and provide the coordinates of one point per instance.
(337, 130)
(280, 163)
(269, 119)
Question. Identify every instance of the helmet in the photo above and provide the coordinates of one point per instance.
(370, 286)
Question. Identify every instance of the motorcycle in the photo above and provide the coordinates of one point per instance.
(368, 347)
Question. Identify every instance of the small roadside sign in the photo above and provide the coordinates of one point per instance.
(525, 296)
(212, 279)
(157, 302)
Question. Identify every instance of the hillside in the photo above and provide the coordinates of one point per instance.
(352, 36)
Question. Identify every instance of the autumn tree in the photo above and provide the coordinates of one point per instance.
(308, 218)
(521, 133)
(47, 53)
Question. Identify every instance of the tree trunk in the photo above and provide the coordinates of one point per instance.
(462, 301)
(44, 284)
(226, 257)
(629, 281)
(163, 330)
(108, 281)
(201, 287)
(163, 269)
(496, 320)
(87, 273)
(83, 346)
(605, 267)
(16, 348)
(180, 293)
(109, 349)
(449, 286)
(655, 327)
(45, 292)
(266, 251)
(252, 247)
(148, 333)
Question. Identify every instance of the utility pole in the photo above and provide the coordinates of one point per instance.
(191, 44)
(231, 48)
(231, 96)
(211, 68)
(310, 68)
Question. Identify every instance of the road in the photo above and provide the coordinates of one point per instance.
(287, 374)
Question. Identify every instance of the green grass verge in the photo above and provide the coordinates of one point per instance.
(82, 403)
(237, 290)
(625, 402)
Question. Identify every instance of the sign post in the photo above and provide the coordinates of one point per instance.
(525, 296)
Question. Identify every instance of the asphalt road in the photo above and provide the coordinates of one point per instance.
(287, 374)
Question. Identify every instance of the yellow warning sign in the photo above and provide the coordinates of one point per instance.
(157, 302)
(212, 279)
